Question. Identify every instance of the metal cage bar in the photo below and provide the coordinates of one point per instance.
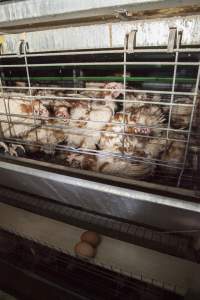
(24, 45)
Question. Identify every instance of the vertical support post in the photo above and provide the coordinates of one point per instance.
(190, 125)
(81, 83)
(24, 47)
(124, 90)
(176, 43)
(6, 107)
(3, 96)
(129, 46)
(75, 82)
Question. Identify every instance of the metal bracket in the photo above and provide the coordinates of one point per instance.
(130, 42)
(22, 45)
(174, 39)
(122, 14)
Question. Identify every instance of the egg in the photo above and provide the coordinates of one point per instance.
(91, 237)
(84, 249)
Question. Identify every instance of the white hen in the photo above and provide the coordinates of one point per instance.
(91, 118)
(17, 115)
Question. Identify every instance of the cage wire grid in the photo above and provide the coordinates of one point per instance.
(164, 131)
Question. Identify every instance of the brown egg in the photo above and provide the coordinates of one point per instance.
(84, 249)
(91, 237)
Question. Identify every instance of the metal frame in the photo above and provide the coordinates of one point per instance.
(21, 13)
(151, 33)
(104, 195)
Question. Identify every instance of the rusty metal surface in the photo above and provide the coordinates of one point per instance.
(33, 12)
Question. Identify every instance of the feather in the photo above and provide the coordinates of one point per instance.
(19, 116)
(44, 139)
(109, 165)
(96, 114)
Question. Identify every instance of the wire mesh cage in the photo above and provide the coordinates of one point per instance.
(131, 112)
